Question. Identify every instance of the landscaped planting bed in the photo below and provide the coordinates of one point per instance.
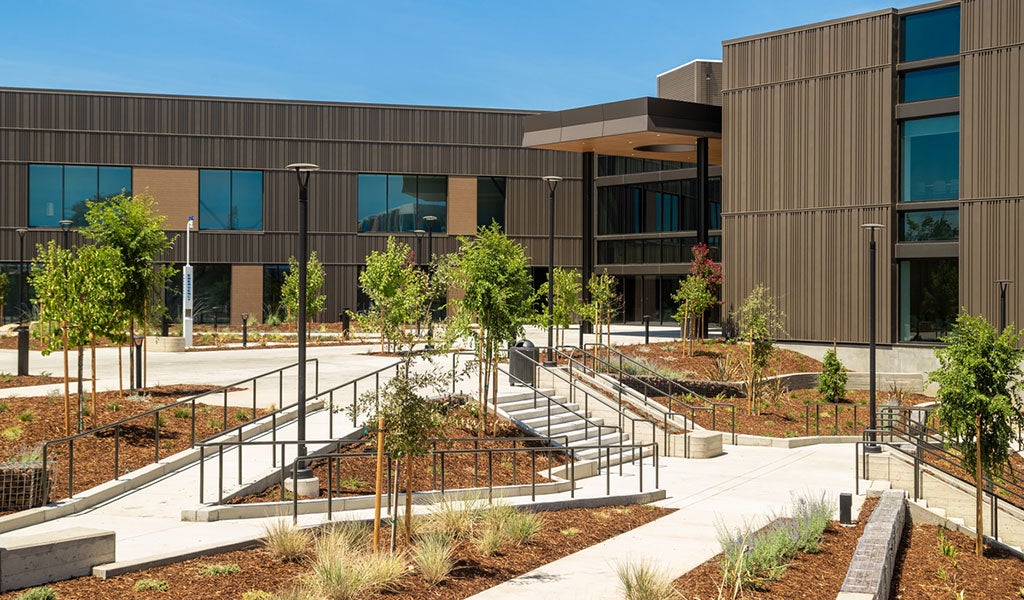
(561, 533)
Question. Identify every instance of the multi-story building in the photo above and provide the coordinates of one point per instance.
(775, 157)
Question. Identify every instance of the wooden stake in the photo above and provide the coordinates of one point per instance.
(377, 490)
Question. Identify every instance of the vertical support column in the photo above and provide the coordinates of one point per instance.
(702, 190)
(587, 209)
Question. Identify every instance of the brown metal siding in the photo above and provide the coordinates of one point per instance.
(992, 156)
(345, 140)
(699, 81)
(807, 119)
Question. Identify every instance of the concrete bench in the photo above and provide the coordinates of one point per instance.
(32, 560)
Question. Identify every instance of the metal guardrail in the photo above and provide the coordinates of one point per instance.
(907, 430)
(676, 405)
(155, 415)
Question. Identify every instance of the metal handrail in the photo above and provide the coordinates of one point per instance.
(618, 371)
(155, 413)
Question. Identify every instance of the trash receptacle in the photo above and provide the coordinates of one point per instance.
(522, 360)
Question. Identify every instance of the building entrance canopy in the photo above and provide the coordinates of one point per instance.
(655, 128)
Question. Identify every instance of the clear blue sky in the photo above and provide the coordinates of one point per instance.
(526, 54)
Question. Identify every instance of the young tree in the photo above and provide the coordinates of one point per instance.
(603, 304)
(81, 292)
(833, 378)
(492, 269)
(760, 321)
(979, 377)
(706, 269)
(315, 279)
(5, 281)
(566, 300)
(397, 290)
(692, 298)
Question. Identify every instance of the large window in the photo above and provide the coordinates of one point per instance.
(928, 84)
(230, 199)
(395, 203)
(930, 225)
(657, 206)
(929, 298)
(930, 159)
(930, 34)
(490, 201)
(57, 192)
(623, 165)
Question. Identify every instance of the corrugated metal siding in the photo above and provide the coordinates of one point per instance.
(990, 23)
(991, 123)
(991, 248)
(864, 43)
(699, 81)
(808, 158)
(816, 262)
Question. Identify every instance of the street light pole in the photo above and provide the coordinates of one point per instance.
(428, 222)
(1003, 284)
(552, 181)
(872, 317)
(22, 307)
(302, 171)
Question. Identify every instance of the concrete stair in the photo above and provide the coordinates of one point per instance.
(544, 413)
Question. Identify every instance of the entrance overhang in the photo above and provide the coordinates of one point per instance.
(655, 128)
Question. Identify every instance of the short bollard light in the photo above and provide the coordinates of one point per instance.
(846, 508)
(647, 329)
(137, 341)
(245, 330)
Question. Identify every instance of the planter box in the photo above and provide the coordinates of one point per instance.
(22, 485)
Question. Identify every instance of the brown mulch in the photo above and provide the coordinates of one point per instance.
(998, 574)
(813, 576)
(564, 532)
(701, 363)
(12, 381)
(356, 475)
(27, 422)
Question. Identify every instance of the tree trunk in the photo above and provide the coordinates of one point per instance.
(979, 542)
(67, 386)
(92, 365)
(408, 499)
(751, 392)
(120, 371)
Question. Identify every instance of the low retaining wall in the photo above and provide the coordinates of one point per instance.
(32, 560)
(871, 570)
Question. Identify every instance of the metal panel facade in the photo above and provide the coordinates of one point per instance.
(808, 129)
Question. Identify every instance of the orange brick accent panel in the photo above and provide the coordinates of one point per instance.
(246, 293)
(176, 192)
(461, 205)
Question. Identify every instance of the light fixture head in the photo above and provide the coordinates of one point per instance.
(430, 218)
(65, 224)
(552, 181)
(872, 226)
(419, 232)
(245, 316)
(21, 230)
(302, 167)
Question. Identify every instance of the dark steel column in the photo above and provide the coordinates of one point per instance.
(702, 190)
(303, 258)
(22, 307)
(588, 215)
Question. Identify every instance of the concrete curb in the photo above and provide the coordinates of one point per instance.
(119, 568)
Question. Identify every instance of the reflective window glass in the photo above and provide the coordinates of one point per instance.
(652, 251)
(45, 195)
(247, 200)
(930, 34)
(930, 225)
(715, 200)
(689, 194)
(114, 181)
(214, 199)
(432, 192)
(373, 202)
(671, 202)
(402, 203)
(80, 185)
(927, 84)
(490, 201)
(930, 159)
(929, 298)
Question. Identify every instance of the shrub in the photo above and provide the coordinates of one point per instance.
(242, 415)
(259, 595)
(811, 515)
(344, 537)
(113, 406)
(456, 520)
(219, 570)
(489, 539)
(215, 423)
(285, 542)
(151, 585)
(832, 381)
(4, 407)
(360, 574)
(26, 416)
(39, 593)
(644, 581)
(523, 526)
(182, 412)
(12, 433)
(433, 557)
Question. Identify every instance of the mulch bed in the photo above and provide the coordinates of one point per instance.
(12, 381)
(815, 576)
(355, 476)
(564, 532)
(27, 422)
(701, 363)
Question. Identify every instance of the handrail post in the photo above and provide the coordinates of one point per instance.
(202, 471)
(71, 467)
(117, 451)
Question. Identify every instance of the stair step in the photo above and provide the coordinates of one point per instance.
(879, 485)
(542, 421)
(568, 427)
(529, 404)
(528, 413)
(959, 521)
(938, 511)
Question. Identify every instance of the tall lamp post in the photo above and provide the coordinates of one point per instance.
(420, 234)
(1003, 284)
(22, 307)
(428, 222)
(302, 171)
(65, 227)
(872, 317)
(552, 181)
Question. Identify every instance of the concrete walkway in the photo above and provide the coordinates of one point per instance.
(744, 484)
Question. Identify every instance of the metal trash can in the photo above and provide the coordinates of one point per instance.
(522, 362)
